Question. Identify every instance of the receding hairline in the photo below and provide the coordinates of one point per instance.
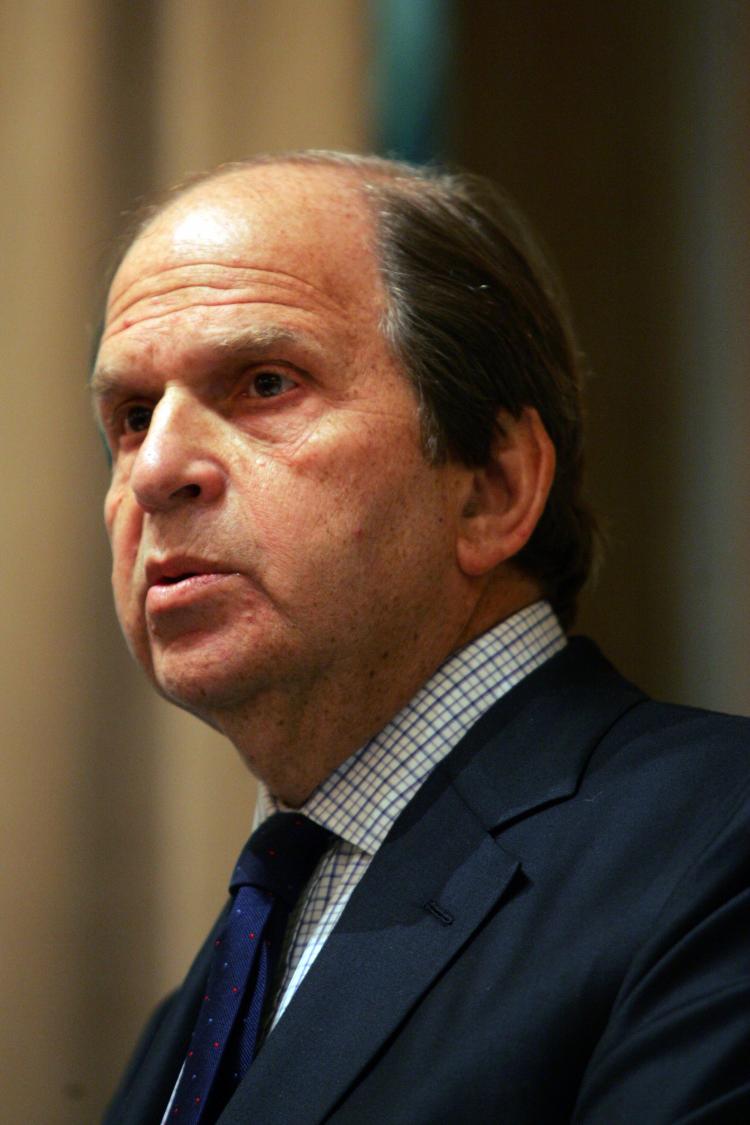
(365, 173)
(380, 183)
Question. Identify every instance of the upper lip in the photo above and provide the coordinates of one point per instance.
(172, 568)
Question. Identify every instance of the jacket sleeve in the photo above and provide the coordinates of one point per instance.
(676, 1050)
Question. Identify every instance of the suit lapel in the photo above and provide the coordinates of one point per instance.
(532, 748)
(438, 875)
(421, 900)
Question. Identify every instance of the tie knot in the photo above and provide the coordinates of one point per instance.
(281, 855)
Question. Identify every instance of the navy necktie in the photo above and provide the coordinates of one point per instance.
(271, 873)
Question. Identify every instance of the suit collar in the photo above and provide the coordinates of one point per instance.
(533, 746)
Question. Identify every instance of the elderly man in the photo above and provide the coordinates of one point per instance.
(347, 528)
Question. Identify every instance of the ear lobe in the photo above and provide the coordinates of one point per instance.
(508, 494)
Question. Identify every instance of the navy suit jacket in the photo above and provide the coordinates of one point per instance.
(557, 929)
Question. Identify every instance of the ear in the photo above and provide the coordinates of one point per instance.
(507, 495)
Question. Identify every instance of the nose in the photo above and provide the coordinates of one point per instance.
(179, 459)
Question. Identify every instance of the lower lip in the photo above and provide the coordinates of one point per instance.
(173, 595)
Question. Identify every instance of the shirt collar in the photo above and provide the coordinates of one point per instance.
(361, 799)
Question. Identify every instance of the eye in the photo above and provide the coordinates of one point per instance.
(136, 418)
(270, 384)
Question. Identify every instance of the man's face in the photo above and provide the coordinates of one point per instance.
(274, 525)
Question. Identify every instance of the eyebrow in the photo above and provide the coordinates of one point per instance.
(247, 343)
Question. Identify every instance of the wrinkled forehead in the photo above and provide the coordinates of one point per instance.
(312, 223)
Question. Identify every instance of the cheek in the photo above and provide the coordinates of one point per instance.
(111, 506)
(368, 512)
(123, 523)
(297, 498)
(115, 501)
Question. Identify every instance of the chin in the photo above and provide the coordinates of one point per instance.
(204, 691)
(207, 678)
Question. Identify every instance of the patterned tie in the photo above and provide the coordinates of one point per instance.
(272, 870)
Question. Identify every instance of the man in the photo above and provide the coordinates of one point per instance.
(346, 521)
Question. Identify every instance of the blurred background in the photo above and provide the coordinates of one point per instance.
(621, 129)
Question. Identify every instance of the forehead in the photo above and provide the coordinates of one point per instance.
(304, 230)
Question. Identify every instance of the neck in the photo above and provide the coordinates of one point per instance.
(294, 737)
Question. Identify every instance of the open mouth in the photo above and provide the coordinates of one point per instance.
(171, 580)
(168, 584)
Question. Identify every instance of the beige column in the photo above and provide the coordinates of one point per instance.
(64, 830)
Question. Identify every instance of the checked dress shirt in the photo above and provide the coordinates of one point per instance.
(360, 800)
